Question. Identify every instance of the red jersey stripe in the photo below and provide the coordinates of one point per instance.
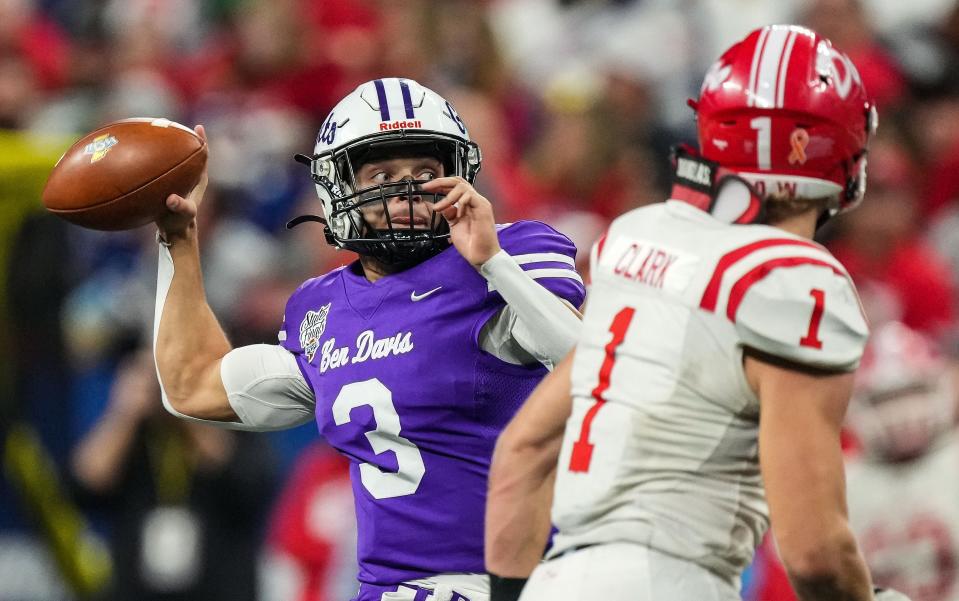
(711, 294)
(762, 270)
(599, 245)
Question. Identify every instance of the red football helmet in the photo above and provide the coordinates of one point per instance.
(788, 113)
(904, 397)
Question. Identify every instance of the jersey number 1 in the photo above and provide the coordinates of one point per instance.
(811, 339)
(583, 449)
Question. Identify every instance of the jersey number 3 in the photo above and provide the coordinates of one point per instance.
(386, 437)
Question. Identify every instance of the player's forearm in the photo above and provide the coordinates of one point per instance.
(518, 508)
(189, 340)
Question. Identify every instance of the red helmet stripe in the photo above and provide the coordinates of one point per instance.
(764, 96)
(757, 55)
(783, 68)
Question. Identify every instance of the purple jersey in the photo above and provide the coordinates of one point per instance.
(404, 390)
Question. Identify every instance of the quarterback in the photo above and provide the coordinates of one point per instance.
(412, 359)
(707, 389)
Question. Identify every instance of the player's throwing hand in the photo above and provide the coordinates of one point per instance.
(182, 211)
(470, 215)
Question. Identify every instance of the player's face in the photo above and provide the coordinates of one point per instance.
(387, 171)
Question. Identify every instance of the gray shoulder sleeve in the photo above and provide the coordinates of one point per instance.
(265, 387)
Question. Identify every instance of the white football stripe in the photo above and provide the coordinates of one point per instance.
(537, 274)
(757, 54)
(765, 91)
(544, 258)
(781, 93)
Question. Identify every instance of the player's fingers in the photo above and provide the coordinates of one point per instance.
(441, 184)
(181, 206)
(200, 131)
(452, 197)
(449, 213)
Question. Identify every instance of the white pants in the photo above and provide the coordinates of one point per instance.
(624, 572)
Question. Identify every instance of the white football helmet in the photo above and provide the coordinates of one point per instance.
(384, 118)
(903, 398)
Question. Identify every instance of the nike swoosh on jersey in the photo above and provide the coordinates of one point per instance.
(418, 297)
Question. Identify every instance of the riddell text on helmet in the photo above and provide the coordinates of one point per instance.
(417, 124)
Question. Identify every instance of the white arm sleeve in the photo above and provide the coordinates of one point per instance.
(260, 383)
(265, 387)
(540, 323)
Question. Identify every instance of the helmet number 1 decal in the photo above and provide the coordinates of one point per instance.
(811, 339)
(583, 449)
(763, 127)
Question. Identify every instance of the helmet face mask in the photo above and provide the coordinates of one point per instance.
(359, 131)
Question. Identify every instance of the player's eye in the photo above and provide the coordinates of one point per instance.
(427, 175)
(380, 177)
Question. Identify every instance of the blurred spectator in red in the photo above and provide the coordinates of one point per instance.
(19, 92)
(937, 119)
(505, 179)
(588, 156)
(847, 24)
(27, 32)
(313, 532)
(899, 277)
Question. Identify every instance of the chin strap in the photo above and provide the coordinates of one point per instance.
(714, 189)
(292, 223)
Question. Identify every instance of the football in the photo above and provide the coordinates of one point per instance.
(119, 176)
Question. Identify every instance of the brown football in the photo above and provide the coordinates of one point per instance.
(119, 176)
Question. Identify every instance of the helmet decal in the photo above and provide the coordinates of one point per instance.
(327, 133)
(452, 114)
(716, 76)
(798, 140)
(828, 60)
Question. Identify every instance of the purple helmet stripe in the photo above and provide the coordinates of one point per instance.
(407, 99)
(381, 96)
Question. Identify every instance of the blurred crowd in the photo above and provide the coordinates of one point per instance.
(575, 104)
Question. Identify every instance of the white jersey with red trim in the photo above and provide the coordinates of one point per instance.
(661, 446)
(906, 518)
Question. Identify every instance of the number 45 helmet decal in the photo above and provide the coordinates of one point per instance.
(788, 113)
(385, 118)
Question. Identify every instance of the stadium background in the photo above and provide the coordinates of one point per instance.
(574, 103)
